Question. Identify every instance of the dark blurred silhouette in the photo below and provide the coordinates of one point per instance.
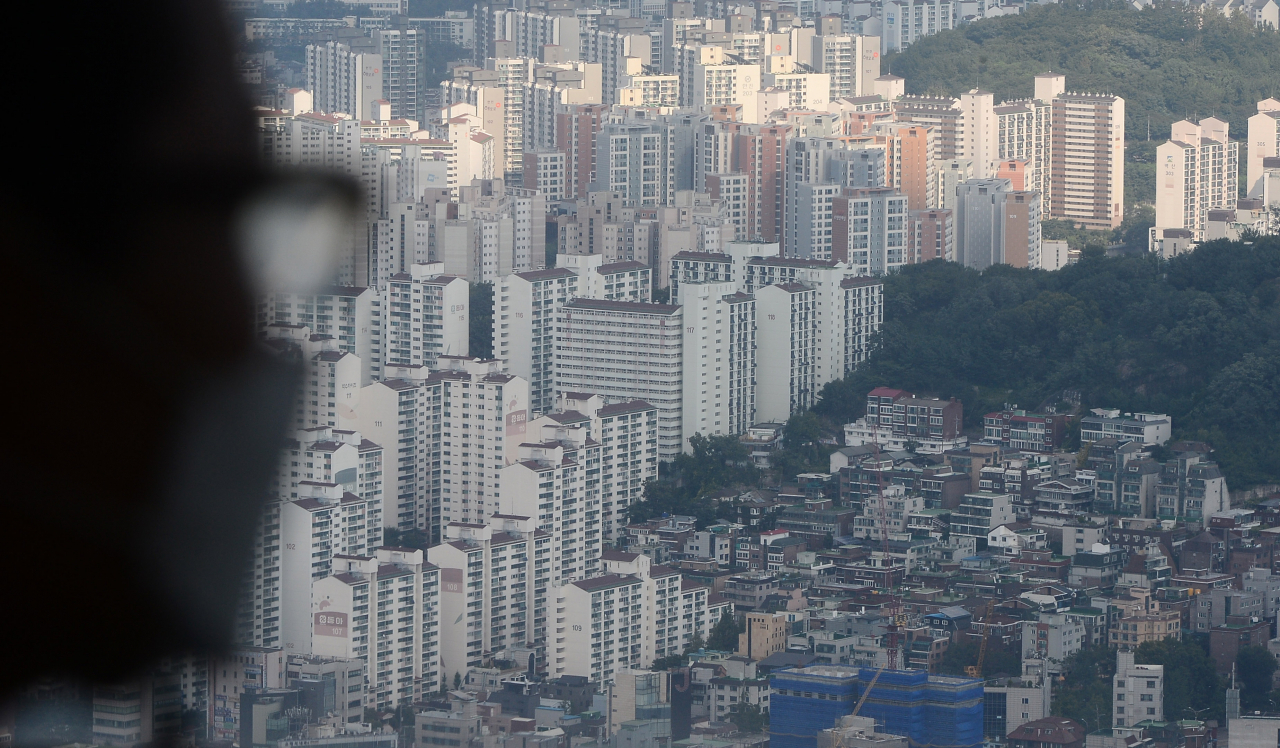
(143, 419)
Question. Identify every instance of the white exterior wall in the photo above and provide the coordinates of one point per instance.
(1264, 142)
(625, 351)
(312, 531)
(524, 317)
(427, 317)
(719, 361)
(489, 600)
(384, 610)
(550, 484)
(786, 330)
(1138, 692)
(350, 315)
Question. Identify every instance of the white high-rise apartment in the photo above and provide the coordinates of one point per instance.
(401, 411)
(979, 141)
(1138, 693)
(493, 580)
(329, 455)
(786, 329)
(485, 412)
(342, 81)
(726, 80)
(452, 429)
(383, 609)
(863, 300)
(550, 483)
(625, 351)
(426, 316)
(331, 377)
(845, 317)
(1197, 170)
(719, 359)
(1264, 142)
(628, 437)
(327, 523)
(1025, 132)
(524, 327)
(904, 22)
(352, 316)
(852, 61)
(632, 614)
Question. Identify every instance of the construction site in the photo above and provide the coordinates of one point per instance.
(930, 711)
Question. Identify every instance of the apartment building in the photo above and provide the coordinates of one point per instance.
(1191, 486)
(869, 230)
(627, 617)
(384, 610)
(493, 591)
(852, 61)
(980, 512)
(1087, 158)
(138, 711)
(324, 524)
(427, 316)
(1025, 133)
(453, 429)
(555, 481)
(1264, 143)
(719, 359)
(352, 315)
(404, 75)
(786, 326)
(1137, 693)
(331, 377)
(931, 235)
(1145, 428)
(996, 225)
(342, 81)
(1197, 170)
(638, 162)
(624, 350)
(525, 312)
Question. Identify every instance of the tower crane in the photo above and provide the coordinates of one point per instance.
(975, 671)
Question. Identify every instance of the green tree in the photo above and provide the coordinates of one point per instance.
(724, 636)
(694, 645)
(1254, 668)
(1196, 337)
(481, 320)
(1085, 691)
(668, 662)
(749, 718)
(1190, 679)
(457, 680)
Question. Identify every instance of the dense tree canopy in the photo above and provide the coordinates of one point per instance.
(724, 636)
(686, 485)
(1167, 61)
(1197, 337)
(1085, 692)
(1254, 668)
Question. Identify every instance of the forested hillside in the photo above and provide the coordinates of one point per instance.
(1197, 337)
(1167, 61)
